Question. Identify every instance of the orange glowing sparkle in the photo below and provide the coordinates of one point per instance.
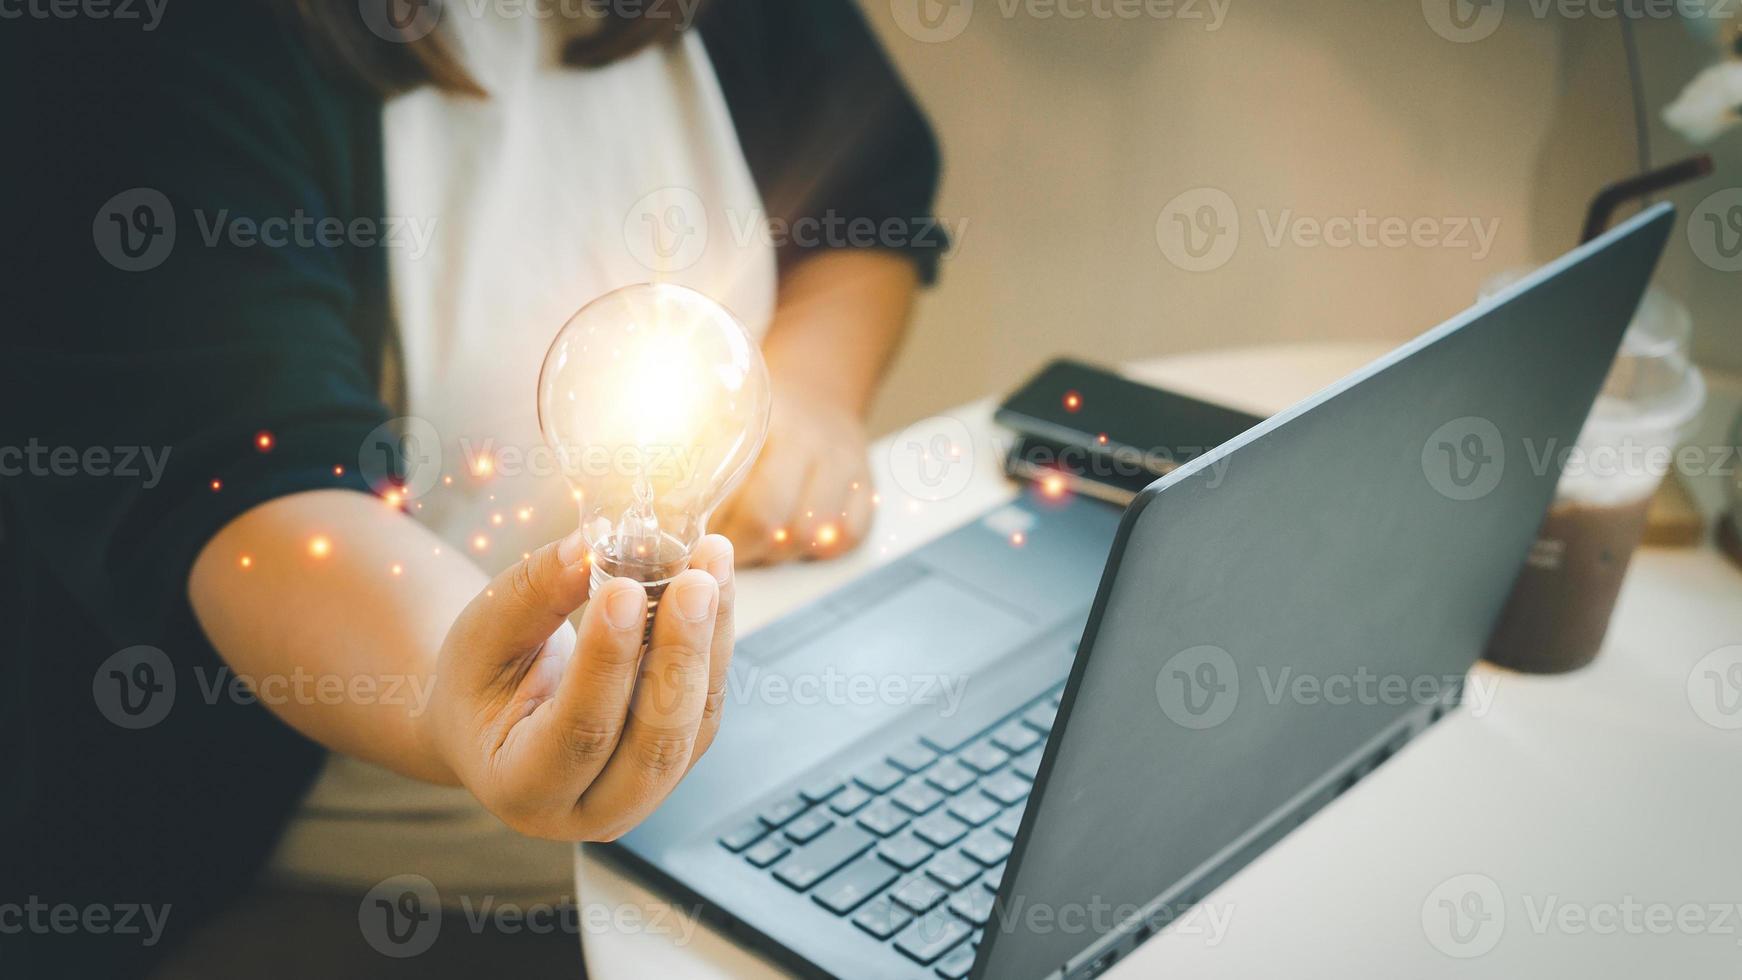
(480, 542)
(496, 519)
(483, 466)
(397, 569)
(246, 561)
(1017, 538)
(780, 535)
(1053, 486)
(320, 546)
(876, 499)
(524, 514)
(1073, 401)
(338, 471)
(828, 534)
(263, 441)
(394, 498)
(217, 485)
(447, 481)
(1102, 438)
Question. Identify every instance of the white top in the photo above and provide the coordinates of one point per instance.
(561, 186)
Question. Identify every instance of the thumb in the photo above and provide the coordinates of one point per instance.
(528, 602)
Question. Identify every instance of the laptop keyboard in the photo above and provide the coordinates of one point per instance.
(910, 849)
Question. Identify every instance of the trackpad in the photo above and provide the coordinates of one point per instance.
(913, 649)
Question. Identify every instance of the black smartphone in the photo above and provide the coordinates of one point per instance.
(1095, 432)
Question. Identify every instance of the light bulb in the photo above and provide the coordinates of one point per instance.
(655, 401)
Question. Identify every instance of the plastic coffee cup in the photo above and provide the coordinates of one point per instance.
(1559, 610)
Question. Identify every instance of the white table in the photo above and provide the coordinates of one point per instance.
(1588, 807)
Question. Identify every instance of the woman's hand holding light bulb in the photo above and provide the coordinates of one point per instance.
(573, 731)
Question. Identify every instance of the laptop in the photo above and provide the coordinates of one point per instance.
(930, 771)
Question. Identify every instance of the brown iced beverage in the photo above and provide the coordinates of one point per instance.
(1559, 609)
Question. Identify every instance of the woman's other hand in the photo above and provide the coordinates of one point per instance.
(572, 731)
(809, 495)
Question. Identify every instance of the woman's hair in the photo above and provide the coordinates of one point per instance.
(395, 53)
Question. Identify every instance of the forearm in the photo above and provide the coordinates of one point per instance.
(342, 602)
(839, 322)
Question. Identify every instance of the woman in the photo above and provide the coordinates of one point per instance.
(307, 220)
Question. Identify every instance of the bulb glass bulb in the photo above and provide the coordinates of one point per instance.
(655, 401)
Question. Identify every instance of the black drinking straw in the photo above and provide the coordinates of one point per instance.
(1642, 185)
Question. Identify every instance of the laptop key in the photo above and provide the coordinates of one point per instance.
(850, 887)
(987, 846)
(983, 756)
(913, 758)
(1006, 787)
(918, 894)
(743, 835)
(783, 811)
(1027, 765)
(906, 852)
(820, 858)
(880, 778)
(953, 870)
(973, 808)
(767, 852)
(806, 828)
(849, 801)
(940, 829)
(1014, 737)
(973, 905)
(882, 918)
(931, 936)
(821, 790)
(951, 776)
(1041, 717)
(958, 964)
(883, 818)
(918, 797)
(1008, 823)
(992, 878)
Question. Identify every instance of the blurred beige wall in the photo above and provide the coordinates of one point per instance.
(1065, 140)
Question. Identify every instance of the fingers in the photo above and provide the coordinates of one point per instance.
(714, 555)
(761, 513)
(665, 711)
(524, 605)
(592, 700)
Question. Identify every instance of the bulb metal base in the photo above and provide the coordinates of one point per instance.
(597, 578)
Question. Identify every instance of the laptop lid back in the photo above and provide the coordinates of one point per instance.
(1372, 531)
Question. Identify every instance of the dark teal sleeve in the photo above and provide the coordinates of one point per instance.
(840, 150)
(152, 335)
